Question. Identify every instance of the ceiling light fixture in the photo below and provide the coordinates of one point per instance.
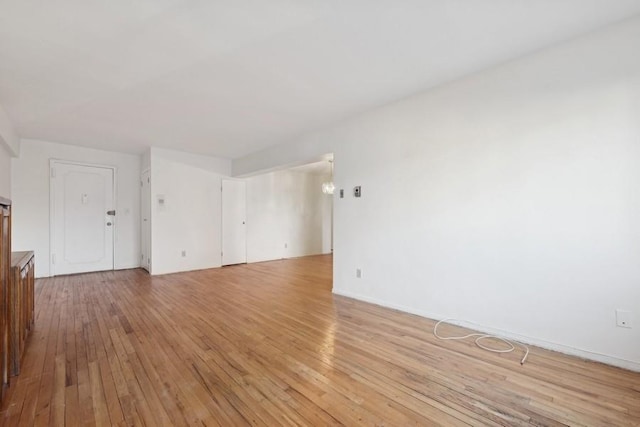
(328, 187)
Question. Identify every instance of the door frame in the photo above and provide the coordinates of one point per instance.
(52, 163)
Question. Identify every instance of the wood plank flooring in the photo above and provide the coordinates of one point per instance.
(268, 344)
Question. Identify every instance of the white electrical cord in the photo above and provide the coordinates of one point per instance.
(480, 337)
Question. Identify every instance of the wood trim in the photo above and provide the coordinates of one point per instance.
(5, 297)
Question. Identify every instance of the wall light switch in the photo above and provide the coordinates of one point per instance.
(357, 192)
(341, 193)
(162, 202)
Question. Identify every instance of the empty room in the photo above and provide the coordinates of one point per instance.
(421, 212)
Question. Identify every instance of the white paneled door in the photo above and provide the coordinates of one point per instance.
(234, 218)
(145, 225)
(83, 218)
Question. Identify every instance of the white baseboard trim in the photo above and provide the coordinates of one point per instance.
(572, 351)
(119, 267)
(126, 267)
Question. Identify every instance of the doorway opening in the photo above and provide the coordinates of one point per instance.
(288, 213)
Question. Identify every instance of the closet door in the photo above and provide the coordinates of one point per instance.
(145, 221)
(234, 218)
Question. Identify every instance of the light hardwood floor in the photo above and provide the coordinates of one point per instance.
(268, 344)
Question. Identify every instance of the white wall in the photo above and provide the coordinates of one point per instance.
(190, 219)
(282, 208)
(5, 172)
(287, 216)
(30, 194)
(9, 147)
(145, 160)
(508, 199)
(8, 136)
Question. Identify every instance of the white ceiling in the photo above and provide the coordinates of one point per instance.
(229, 77)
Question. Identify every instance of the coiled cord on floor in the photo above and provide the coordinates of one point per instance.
(480, 337)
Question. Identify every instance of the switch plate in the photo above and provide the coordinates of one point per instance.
(162, 202)
(623, 318)
(341, 193)
(357, 191)
(359, 273)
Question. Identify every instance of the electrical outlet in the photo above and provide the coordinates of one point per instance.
(623, 318)
(184, 254)
(359, 273)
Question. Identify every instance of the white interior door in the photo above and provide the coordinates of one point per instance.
(145, 226)
(83, 218)
(234, 218)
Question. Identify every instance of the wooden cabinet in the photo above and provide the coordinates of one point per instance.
(5, 262)
(16, 300)
(22, 305)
